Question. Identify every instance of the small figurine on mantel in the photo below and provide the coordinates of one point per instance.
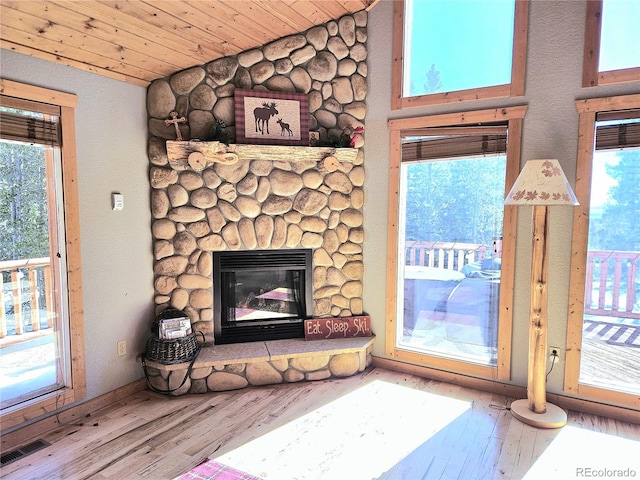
(350, 137)
(175, 121)
(217, 133)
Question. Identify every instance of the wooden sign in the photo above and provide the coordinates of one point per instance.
(337, 327)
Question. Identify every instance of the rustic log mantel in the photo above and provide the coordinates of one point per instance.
(178, 153)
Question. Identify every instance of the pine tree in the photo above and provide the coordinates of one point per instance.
(618, 227)
(433, 83)
(23, 202)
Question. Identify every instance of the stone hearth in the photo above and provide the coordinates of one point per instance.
(230, 367)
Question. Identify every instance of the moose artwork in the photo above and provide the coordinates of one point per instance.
(261, 116)
(284, 128)
(271, 118)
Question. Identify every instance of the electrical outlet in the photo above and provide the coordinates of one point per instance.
(554, 352)
(122, 348)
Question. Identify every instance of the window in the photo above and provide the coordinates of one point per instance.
(611, 53)
(447, 51)
(41, 324)
(603, 334)
(449, 291)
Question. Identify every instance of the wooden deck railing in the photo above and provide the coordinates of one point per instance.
(615, 280)
(615, 276)
(615, 284)
(447, 255)
(25, 289)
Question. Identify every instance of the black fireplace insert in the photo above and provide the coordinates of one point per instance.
(261, 294)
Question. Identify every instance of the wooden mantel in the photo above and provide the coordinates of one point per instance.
(178, 153)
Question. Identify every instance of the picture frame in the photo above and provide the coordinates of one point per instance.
(271, 118)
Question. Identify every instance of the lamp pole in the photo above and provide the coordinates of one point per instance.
(534, 410)
(541, 183)
(537, 364)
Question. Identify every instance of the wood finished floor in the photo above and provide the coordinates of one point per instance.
(379, 424)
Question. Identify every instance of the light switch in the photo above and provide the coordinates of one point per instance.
(117, 201)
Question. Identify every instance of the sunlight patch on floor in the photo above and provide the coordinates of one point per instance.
(579, 453)
(359, 435)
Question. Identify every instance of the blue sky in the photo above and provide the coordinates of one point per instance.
(478, 35)
(620, 44)
(483, 61)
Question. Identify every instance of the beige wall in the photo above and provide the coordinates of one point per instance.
(553, 83)
(111, 131)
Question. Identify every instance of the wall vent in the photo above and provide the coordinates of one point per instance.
(18, 453)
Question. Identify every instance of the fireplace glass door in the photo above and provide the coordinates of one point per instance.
(256, 296)
(261, 295)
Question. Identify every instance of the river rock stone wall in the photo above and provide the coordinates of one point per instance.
(259, 204)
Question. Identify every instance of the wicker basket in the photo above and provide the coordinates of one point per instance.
(175, 350)
(171, 313)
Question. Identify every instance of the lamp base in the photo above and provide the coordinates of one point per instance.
(554, 417)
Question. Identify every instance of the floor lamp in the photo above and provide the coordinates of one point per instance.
(541, 183)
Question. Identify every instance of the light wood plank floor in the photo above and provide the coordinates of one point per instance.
(379, 424)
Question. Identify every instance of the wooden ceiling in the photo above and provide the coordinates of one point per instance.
(138, 41)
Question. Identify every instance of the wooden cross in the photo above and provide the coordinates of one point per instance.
(175, 120)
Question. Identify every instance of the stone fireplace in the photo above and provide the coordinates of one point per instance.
(295, 199)
(272, 199)
(257, 204)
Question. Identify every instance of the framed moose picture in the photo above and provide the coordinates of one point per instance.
(271, 118)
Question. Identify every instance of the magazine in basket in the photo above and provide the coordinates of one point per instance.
(174, 328)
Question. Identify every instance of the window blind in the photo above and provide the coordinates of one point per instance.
(618, 130)
(29, 121)
(453, 142)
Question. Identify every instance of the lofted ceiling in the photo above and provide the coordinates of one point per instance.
(138, 41)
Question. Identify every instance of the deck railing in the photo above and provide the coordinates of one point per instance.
(615, 282)
(447, 255)
(615, 276)
(29, 284)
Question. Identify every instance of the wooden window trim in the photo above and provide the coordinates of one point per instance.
(76, 389)
(514, 117)
(591, 77)
(619, 76)
(518, 64)
(587, 110)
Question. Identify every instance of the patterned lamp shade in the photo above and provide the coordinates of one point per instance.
(541, 182)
